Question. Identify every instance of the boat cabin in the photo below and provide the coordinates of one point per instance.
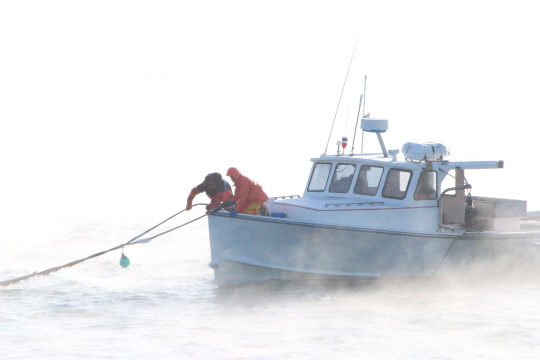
(393, 190)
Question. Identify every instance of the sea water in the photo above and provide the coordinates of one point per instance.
(165, 305)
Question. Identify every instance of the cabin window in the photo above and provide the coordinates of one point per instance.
(342, 179)
(368, 180)
(427, 186)
(319, 178)
(396, 184)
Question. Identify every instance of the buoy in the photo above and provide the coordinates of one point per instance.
(124, 261)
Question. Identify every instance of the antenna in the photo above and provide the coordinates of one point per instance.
(356, 126)
(365, 81)
(345, 82)
(364, 114)
(346, 119)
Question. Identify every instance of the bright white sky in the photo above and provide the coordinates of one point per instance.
(112, 108)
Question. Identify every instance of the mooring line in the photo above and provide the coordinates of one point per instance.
(130, 242)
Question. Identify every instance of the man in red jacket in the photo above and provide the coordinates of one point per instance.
(216, 188)
(249, 195)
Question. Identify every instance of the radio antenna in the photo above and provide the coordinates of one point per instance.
(365, 81)
(356, 126)
(345, 82)
(364, 113)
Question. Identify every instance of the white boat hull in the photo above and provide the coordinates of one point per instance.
(248, 249)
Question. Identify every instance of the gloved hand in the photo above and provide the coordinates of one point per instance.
(233, 213)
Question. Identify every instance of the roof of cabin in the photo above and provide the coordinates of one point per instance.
(450, 162)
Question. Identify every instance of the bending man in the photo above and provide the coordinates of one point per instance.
(216, 188)
(249, 195)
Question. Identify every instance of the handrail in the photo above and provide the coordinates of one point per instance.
(285, 197)
(439, 202)
(361, 204)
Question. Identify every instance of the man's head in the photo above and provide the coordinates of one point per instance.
(209, 186)
(234, 174)
(213, 177)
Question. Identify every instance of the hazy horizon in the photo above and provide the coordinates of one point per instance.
(113, 108)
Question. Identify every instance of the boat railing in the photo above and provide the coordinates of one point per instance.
(285, 197)
(359, 204)
(439, 205)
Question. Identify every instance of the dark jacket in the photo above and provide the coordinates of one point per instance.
(215, 187)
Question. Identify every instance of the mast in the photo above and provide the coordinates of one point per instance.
(345, 82)
(356, 126)
(364, 113)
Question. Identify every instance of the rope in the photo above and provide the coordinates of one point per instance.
(130, 242)
(447, 251)
(464, 181)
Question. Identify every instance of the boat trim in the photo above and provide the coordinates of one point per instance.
(285, 221)
(360, 204)
(252, 263)
(369, 203)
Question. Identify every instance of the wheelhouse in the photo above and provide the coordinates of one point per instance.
(378, 182)
(360, 177)
(420, 189)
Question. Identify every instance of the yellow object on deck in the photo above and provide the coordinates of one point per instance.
(253, 209)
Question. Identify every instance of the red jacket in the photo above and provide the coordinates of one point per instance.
(247, 191)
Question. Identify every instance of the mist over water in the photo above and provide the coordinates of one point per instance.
(164, 305)
(112, 111)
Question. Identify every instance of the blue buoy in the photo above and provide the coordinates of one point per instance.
(124, 261)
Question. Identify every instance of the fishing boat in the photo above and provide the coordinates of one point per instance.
(388, 215)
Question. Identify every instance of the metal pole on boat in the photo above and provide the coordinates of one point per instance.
(356, 126)
(381, 142)
(365, 81)
(345, 82)
(364, 112)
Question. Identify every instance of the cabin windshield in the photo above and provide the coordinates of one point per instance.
(368, 180)
(427, 186)
(342, 179)
(396, 184)
(319, 178)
